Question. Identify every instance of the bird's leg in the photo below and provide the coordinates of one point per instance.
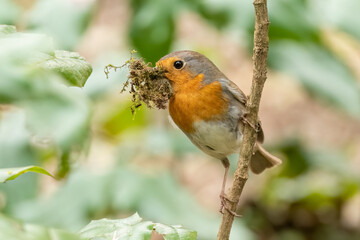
(223, 196)
(222, 193)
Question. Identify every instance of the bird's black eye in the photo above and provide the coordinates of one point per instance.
(178, 64)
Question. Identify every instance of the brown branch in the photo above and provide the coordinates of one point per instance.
(260, 51)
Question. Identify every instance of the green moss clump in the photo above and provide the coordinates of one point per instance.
(146, 84)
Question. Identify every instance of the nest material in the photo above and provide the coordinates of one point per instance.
(147, 84)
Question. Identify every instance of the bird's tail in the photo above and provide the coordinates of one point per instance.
(262, 159)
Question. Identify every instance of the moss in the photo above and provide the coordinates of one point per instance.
(146, 84)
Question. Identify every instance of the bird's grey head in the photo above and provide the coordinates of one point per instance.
(191, 62)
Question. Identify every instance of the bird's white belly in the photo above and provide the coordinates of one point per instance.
(215, 138)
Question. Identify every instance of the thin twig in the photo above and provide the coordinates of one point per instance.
(260, 51)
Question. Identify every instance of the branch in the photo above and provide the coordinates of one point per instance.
(260, 51)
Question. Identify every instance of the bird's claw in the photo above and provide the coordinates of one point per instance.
(224, 199)
(244, 120)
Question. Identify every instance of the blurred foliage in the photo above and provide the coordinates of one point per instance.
(339, 14)
(133, 228)
(29, 79)
(44, 122)
(9, 12)
(297, 47)
(118, 121)
(65, 21)
(16, 150)
(153, 23)
(124, 189)
(11, 229)
(215, 12)
(152, 27)
(308, 194)
(311, 63)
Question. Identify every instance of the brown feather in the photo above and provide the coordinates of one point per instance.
(262, 159)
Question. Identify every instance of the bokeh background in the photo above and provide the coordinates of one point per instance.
(114, 164)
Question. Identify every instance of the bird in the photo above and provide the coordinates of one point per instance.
(211, 111)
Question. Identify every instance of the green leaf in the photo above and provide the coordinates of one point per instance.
(176, 232)
(7, 29)
(70, 65)
(128, 228)
(103, 226)
(11, 229)
(133, 228)
(7, 174)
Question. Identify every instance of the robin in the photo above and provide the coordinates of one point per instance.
(210, 110)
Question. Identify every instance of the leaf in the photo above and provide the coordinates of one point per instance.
(103, 226)
(70, 65)
(7, 29)
(7, 174)
(133, 228)
(174, 232)
(11, 229)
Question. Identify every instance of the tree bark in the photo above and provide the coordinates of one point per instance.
(260, 52)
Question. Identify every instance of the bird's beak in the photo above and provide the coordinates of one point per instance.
(157, 67)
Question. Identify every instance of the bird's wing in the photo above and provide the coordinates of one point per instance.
(232, 89)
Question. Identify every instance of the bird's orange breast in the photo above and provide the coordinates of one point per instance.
(194, 102)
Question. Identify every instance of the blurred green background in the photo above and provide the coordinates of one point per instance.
(114, 165)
